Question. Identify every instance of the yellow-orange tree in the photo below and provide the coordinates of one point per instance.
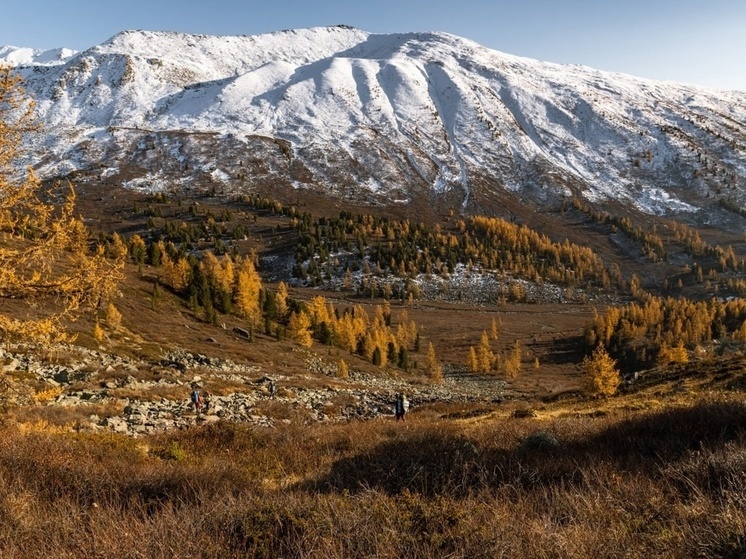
(46, 258)
(600, 375)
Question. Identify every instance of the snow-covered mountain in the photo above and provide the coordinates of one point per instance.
(380, 119)
(19, 56)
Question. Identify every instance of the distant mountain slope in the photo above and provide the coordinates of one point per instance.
(382, 119)
(20, 56)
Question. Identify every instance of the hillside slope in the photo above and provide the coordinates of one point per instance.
(382, 118)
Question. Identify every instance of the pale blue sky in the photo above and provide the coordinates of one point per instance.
(701, 42)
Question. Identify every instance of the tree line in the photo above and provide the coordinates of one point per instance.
(641, 334)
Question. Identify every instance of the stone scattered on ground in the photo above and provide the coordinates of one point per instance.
(81, 377)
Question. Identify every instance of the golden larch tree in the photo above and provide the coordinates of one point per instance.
(376, 343)
(472, 363)
(349, 330)
(495, 328)
(113, 317)
(343, 371)
(281, 300)
(299, 328)
(46, 254)
(513, 360)
(668, 354)
(210, 267)
(227, 274)
(320, 310)
(176, 274)
(137, 249)
(406, 331)
(600, 375)
(247, 286)
(432, 365)
(740, 334)
(485, 357)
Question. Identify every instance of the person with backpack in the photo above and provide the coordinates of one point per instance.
(401, 407)
(272, 388)
(196, 398)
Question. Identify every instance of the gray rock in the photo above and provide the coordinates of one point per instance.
(13, 365)
(117, 424)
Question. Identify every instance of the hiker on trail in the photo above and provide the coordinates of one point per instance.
(272, 388)
(196, 398)
(205, 401)
(401, 407)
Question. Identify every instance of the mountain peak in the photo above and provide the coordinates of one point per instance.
(23, 56)
(391, 116)
(133, 39)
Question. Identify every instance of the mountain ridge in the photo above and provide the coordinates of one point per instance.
(384, 119)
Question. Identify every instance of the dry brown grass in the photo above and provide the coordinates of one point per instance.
(278, 410)
(222, 387)
(69, 416)
(152, 394)
(666, 483)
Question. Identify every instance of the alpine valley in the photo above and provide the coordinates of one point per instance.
(298, 230)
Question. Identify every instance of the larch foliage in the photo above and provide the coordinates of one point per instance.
(600, 375)
(433, 366)
(248, 285)
(176, 274)
(343, 371)
(227, 274)
(299, 328)
(485, 357)
(513, 360)
(406, 331)
(740, 334)
(113, 317)
(379, 318)
(182, 274)
(117, 249)
(495, 328)
(350, 330)
(320, 311)
(281, 300)
(472, 363)
(344, 333)
(668, 354)
(46, 258)
(137, 249)
(98, 332)
(211, 269)
(376, 343)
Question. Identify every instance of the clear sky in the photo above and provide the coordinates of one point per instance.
(701, 42)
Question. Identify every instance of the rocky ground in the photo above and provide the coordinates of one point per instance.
(133, 396)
